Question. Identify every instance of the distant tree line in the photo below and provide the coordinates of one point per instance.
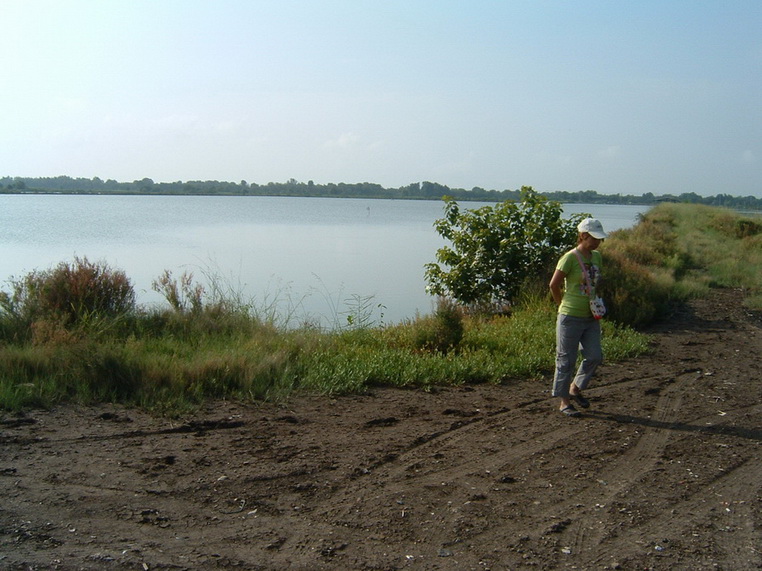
(414, 191)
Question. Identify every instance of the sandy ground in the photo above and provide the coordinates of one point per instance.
(663, 472)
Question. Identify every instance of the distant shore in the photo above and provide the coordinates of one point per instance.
(292, 188)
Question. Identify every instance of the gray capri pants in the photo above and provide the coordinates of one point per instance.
(573, 334)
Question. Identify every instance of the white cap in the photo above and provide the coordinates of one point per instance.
(593, 227)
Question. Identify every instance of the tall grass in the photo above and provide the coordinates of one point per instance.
(74, 333)
(171, 361)
(680, 251)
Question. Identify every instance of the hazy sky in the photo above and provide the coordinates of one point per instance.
(617, 96)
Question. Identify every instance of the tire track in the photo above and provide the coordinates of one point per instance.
(727, 501)
(445, 463)
(634, 464)
(441, 463)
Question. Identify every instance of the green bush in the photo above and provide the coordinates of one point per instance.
(495, 249)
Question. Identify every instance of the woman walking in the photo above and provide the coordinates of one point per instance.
(573, 286)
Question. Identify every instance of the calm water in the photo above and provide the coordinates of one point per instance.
(311, 257)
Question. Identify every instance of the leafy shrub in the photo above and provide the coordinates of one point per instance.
(495, 249)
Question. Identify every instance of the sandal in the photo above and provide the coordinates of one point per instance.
(581, 401)
(570, 411)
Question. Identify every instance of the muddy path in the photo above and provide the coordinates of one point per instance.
(663, 472)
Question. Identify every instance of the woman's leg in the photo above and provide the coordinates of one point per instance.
(592, 354)
(568, 334)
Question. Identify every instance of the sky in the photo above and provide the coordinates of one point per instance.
(616, 96)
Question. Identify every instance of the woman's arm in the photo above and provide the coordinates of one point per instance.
(557, 286)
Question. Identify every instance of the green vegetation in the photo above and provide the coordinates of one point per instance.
(679, 251)
(415, 191)
(496, 252)
(74, 333)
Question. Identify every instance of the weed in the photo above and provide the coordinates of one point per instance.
(443, 331)
(183, 296)
(73, 295)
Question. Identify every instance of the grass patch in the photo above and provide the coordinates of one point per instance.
(678, 252)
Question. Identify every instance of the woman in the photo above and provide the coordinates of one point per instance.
(572, 288)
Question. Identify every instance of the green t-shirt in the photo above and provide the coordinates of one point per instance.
(576, 301)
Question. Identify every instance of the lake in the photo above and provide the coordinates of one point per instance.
(311, 258)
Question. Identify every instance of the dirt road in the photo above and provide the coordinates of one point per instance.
(663, 472)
